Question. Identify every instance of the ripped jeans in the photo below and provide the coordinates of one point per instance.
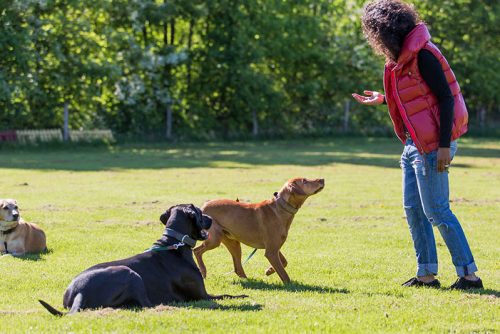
(426, 202)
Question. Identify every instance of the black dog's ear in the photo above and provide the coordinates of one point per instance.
(164, 217)
(196, 213)
(207, 222)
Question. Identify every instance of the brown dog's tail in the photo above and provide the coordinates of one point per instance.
(51, 309)
(219, 297)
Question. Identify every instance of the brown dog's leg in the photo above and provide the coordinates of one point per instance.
(213, 241)
(274, 259)
(271, 271)
(234, 247)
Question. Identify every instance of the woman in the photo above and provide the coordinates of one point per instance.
(429, 114)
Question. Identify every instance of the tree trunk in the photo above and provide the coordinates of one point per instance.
(255, 130)
(145, 34)
(167, 74)
(347, 110)
(66, 121)
(189, 61)
(172, 32)
(481, 117)
(168, 125)
(165, 33)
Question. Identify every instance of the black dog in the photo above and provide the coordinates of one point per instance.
(163, 274)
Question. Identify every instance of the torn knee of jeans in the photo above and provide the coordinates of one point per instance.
(416, 163)
(436, 223)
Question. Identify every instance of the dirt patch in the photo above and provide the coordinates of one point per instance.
(18, 312)
(474, 202)
(146, 223)
(366, 218)
(50, 208)
(162, 308)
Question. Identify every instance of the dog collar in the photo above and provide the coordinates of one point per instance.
(184, 238)
(9, 231)
(157, 248)
(285, 205)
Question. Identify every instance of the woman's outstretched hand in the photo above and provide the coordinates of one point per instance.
(371, 99)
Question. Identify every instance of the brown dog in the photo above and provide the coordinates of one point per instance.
(16, 236)
(261, 225)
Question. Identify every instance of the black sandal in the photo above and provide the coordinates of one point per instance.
(465, 284)
(415, 282)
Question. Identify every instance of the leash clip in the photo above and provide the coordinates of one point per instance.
(176, 246)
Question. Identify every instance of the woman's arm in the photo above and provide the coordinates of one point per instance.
(432, 72)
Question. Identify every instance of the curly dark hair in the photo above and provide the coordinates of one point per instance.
(386, 24)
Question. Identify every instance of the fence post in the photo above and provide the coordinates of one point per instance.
(168, 130)
(347, 109)
(255, 121)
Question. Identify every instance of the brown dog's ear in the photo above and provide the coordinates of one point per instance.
(164, 217)
(295, 189)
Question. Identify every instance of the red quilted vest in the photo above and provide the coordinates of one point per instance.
(410, 100)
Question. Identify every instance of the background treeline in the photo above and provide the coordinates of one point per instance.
(220, 68)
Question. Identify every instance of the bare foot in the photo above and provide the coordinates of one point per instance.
(427, 278)
(471, 277)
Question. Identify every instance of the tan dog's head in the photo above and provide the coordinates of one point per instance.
(9, 214)
(298, 189)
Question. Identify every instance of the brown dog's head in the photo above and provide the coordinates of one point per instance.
(9, 214)
(298, 189)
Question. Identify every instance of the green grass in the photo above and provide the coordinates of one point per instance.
(348, 250)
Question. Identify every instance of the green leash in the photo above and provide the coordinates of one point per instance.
(250, 256)
(247, 259)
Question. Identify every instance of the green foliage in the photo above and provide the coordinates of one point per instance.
(468, 31)
(220, 68)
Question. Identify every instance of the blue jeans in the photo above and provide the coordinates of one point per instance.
(426, 202)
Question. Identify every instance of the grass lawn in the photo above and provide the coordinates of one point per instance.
(348, 249)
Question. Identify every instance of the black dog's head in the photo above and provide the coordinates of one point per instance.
(187, 219)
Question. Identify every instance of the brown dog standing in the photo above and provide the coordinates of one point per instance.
(261, 225)
(16, 236)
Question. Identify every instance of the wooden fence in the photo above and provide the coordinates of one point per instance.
(91, 135)
(54, 135)
(36, 136)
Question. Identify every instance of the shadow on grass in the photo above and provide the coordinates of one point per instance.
(211, 305)
(381, 152)
(200, 304)
(291, 287)
(31, 256)
(484, 292)
(133, 307)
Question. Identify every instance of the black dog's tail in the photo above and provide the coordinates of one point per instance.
(218, 297)
(75, 307)
(51, 309)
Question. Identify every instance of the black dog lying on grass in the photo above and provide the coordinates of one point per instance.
(163, 274)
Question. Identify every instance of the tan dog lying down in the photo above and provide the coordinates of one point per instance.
(261, 225)
(16, 236)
